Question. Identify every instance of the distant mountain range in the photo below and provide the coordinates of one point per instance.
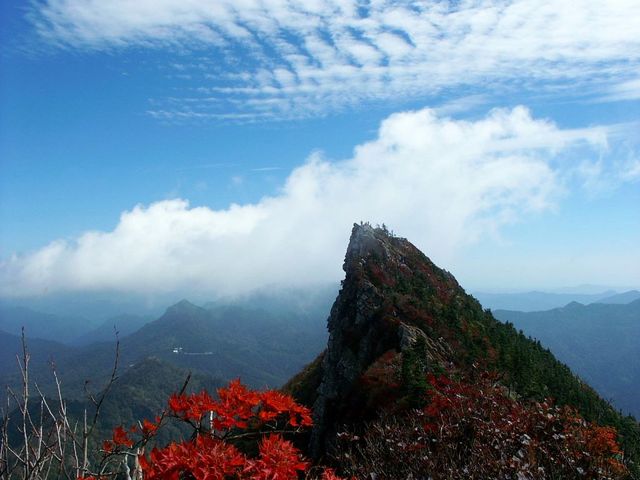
(600, 342)
(625, 297)
(120, 325)
(46, 326)
(230, 341)
(537, 301)
(263, 346)
(76, 319)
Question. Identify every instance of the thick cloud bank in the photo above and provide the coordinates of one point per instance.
(440, 182)
(303, 57)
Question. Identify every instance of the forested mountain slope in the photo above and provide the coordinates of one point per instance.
(600, 342)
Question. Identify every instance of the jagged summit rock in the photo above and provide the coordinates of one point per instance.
(368, 320)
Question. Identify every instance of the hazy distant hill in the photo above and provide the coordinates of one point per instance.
(626, 297)
(122, 324)
(42, 325)
(261, 347)
(95, 307)
(598, 341)
(536, 301)
(81, 319)
(42, 353)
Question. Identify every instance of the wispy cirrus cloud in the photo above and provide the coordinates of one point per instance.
(443, 183)
(625, 90)
(266, 59)
(617, 164)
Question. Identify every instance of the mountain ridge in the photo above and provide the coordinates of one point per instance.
(394, 299)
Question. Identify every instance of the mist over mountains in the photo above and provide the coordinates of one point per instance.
(80, 318)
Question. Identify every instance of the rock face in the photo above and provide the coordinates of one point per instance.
(366, 321)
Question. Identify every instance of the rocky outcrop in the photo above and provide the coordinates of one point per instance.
(367, 320)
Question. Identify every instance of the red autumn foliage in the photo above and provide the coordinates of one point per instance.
(380, 276)
(237, 407)
(470, 430)
(213, 451)
(149, 428)
(330, 474)
(190, 407)
(120, 437)
(477, 431)
(278, 459)
(539, 437)
(273, 404)
(204, 457)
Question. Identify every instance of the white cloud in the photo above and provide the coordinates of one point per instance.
(313, 57)
(626, 90)
(443, 183)
(617, 164)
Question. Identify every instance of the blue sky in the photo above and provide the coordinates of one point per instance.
(222, 146)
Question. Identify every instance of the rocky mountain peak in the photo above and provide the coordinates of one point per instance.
(365, 240)
(401, 329)
(398, 320)
(369, 318)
